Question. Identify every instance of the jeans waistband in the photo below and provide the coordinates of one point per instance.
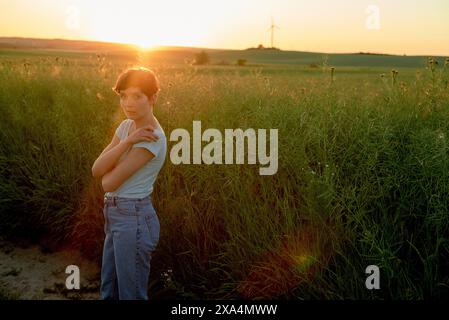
(113, 200)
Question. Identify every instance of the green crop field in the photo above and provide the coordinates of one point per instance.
(363, 174)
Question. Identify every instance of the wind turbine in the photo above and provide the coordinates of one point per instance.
(271, 28)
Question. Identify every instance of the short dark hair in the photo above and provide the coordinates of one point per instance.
(140, 77)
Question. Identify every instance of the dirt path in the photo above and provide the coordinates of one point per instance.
(27, 273)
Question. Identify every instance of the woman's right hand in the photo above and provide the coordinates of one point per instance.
(142, 134)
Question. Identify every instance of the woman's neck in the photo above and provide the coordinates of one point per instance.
(150, 119)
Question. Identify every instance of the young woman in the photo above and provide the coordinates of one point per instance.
(128, 167)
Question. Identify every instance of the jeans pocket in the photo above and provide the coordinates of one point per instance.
(127, 209)
(154, 228)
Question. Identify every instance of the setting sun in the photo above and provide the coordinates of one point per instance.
(143, 24)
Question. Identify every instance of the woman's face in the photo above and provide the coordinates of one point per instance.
(134, 102)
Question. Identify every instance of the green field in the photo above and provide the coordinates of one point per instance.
(275, 57)
(363, 170)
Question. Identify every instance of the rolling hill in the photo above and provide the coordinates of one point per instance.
(217, 56)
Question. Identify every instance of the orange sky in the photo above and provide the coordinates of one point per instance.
(388, 26)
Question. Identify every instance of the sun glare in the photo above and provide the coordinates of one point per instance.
(143, 25)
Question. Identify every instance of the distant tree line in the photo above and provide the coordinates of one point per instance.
(202, 58)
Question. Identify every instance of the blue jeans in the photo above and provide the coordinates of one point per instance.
(132, 234)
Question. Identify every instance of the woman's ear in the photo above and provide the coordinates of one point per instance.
(153, 99)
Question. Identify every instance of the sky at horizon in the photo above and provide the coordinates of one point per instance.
(412, 27)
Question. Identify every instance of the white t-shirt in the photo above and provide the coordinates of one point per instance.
(140, 184)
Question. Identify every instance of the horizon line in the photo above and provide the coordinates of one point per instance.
(140, 48)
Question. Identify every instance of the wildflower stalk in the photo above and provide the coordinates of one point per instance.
(431, 62)
(394, 74)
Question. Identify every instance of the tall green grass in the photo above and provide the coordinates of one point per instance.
(363, 175)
